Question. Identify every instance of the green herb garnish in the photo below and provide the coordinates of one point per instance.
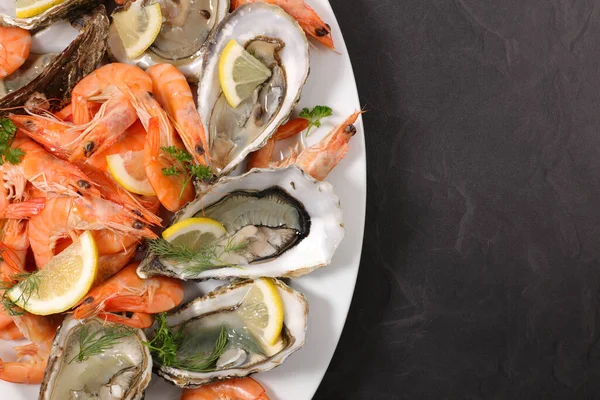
(315, 115)
(91, 344)
(8, 131)
(31, 285)
(186, 169)
(166, 343)
(207, 257)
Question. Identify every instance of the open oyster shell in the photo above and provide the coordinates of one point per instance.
(62, 73)
(186, 26)
(216, 309)
(65, 10)
(121, 372)
(295, 216)
(276, 39)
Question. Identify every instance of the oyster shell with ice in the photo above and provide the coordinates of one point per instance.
(121, 371)
(277, 40)
(282, 222)
(61, 55)
(186, 26)
(67, 9)
(202, 320)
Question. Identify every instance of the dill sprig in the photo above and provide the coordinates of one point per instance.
(207, 257)
(186, 169)
(166, 343)
(94, 343)
(8, 131)
(30, 284)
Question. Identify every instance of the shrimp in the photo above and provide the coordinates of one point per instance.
(172, 191)
(64, 216)
(132, 140)
(318, 160)
(173, 92)
(10, 332)
(137, 319)
(126, 291)
(110, 264)
(111, 242)
(110, 75)
(231, 389)
(262, 157)
(14, 245)
(49, 173)
(32, 358)
(308, 18)
(15, 44)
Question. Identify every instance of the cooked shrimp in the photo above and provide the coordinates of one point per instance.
(262, 157)
(111, 242)
(231, 389)
(110, 264)
(40, 331)
(136, 320)
(318, 160)
(15, 44)
(131, 141)
(308, 18)
(10, 332)
(173, 92)
(96, 83)
(64, 216)
(49, 173)
(126, 291)
(15, 243)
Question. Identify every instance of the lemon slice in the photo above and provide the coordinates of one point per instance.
(240, 73)
(63, 282)
(31, 8)
(128, 170)
(262, 310)
(138, 27)
(194, 233)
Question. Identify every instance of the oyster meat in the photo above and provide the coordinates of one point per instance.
(279, 222)
(52, 70)
(202, 320)
(68, 9)
(277, 40)
(186, 26)
(121, 371)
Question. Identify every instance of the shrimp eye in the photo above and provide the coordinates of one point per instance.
(138, 225)
(328, 27)
(88, 300)
(137, 212)
(199, 149)
(83, 184)
(88, 148)
(321, 32)
(29, 124)
(205, 14)
(350, 129)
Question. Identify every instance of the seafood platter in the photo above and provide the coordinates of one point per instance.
(166, 197)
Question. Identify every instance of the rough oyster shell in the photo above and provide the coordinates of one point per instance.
(247, 23)
(76, 61)
(66, 10)
(226, 298)
(129, 382)
(312, 252)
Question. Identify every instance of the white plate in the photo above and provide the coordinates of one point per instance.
(329, 290)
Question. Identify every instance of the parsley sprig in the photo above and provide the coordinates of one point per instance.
(186, 168)
(315, 116)
(166, 343)
(8, 131)
(97, 342)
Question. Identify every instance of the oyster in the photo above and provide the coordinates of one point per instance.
(68, 9)
(121, 371)
(54, 75)
(187, 24)
(202, 320)
(280, 223)
(277, 40)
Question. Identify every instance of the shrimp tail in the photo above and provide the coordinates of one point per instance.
(24, 209)
(11, 261)
(19, 372)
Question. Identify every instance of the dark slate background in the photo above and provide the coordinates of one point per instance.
(480, 268)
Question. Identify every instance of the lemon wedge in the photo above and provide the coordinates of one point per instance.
(240, 73)
(62, 283)
(194, 233)
(128, 170)
(138, 27)
(31, 8)
(262, 310)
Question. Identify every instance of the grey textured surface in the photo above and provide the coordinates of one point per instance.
(480, 270)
